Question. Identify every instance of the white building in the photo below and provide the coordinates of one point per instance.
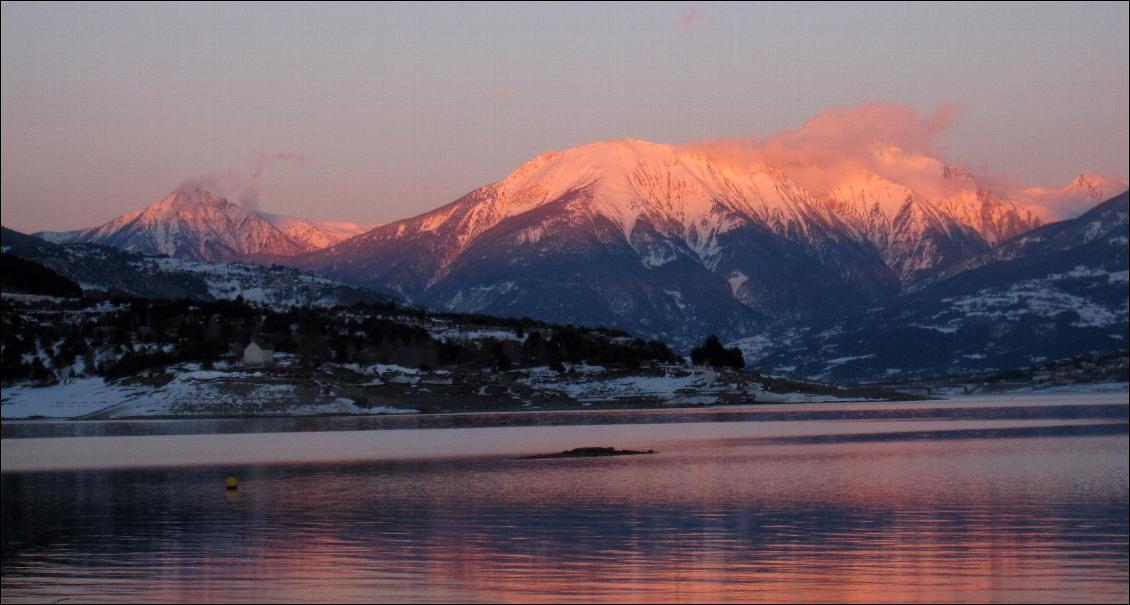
(254, 355)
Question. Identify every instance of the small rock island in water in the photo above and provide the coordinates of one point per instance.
(588, 452)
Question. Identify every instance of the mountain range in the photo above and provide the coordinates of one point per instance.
(671, 242)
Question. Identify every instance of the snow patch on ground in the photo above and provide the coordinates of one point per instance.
(842, 360)
(456, 333)
(658, 387)
(68, 400)
(949, 328)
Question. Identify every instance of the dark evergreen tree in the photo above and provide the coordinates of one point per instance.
(713, 354)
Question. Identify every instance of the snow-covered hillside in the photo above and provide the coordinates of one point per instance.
(1058, 291)
(275, 286)
(106, 269)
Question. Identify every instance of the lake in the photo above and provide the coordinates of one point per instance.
(974, 499)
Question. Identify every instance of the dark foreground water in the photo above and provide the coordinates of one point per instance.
(975, 500)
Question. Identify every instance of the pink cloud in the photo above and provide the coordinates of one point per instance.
(688, 19)
(893, 141)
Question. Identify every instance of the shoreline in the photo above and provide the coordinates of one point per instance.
(1018, 395)
(595, 407)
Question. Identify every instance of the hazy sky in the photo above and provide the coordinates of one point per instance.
(378, 112)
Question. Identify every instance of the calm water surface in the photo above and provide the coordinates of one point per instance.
(969, 500)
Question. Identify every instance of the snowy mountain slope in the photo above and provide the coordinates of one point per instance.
(911, 235)
(950, 196)
(994, 216)
(1055, 292)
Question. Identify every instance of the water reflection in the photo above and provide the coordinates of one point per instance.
(1026, 516)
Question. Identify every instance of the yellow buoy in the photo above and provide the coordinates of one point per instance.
(232, 482)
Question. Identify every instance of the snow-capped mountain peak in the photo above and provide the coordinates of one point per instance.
(694, 197)
(1089, 188)
(626, 179)
(1076, 197)
(195, 224)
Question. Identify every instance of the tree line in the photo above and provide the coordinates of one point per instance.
(125, 336)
